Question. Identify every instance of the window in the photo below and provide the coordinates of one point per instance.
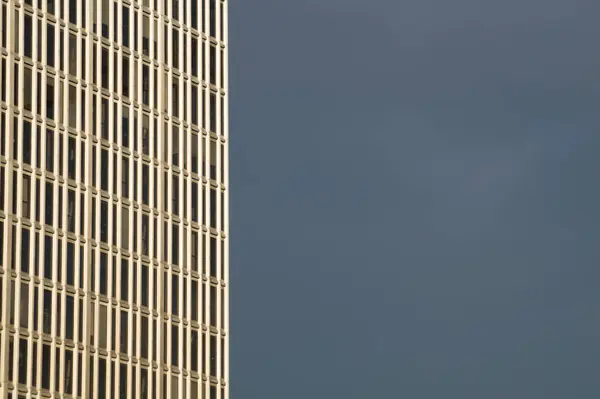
(146, 84)
(175, 47)
(124, 328)
(144, 337)
(146, 134)
(175, 98)
(125, 178)
(50, 98)
(22, 361)
(145, 235)
(47, 315)
(125, 76)
(174, 346)
(124, 280)
(72, 106)
(50, 40)
(46, 366)
(146, 35)
(49, 203)
(212, 18)
(104, 170)
(213, 65)
(27, 89)
(105, 68)
(68, 369)
(50, 150)
(125, 228)
(213, 112)
(26, 196)
(194, 55)
(125, 26)
(194, 301)
(71, 211)
(125, 126)
(104, 221)
(71, 157)
(70, 317)
(145, 285)
(105, 18)
(72, 52)
(213, 256)
(102, 324)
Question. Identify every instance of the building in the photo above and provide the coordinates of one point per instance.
(114, 199)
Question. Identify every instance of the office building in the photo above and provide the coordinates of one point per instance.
(114, 199)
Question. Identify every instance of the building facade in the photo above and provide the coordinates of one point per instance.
(114, 199)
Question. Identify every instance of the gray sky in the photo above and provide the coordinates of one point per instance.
(415, 199)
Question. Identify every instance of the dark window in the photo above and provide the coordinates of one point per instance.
(71, 155)
(175, 47)
(50, 45)
(125, 126)
(105, 68)
(50, 99)
(28, 35)
(25, 250)
(124, 280)
(50, 150)
(47, 315)
(104, 221)
(146, 85)
(104, 170)
(145, 234)
(105, 18)
(26, 202)
(174, 346)
(213, 256)
(49, 203)
(68, 369)
(70, 263)
(144, 337)
(104, 119)
(125, 31)
(125, 178)
(71, 211)
(70, 317)
(145, 285)
(102, 379)
(194, 14)
(103, 273)
(124, 324)
(28, 89)
(146, 134)
(213, 65)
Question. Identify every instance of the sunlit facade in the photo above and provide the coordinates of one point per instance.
(114, 199)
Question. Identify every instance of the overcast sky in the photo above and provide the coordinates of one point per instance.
(416, 194)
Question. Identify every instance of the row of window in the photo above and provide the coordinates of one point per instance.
(175, 56)
(30, 363)
(187, 199)
(183, 247)
(190, 15)
(119, 278)
(108, 326)
(130, 228)
(65, 155)
(64, 102)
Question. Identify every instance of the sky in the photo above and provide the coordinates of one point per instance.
(415, 199)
